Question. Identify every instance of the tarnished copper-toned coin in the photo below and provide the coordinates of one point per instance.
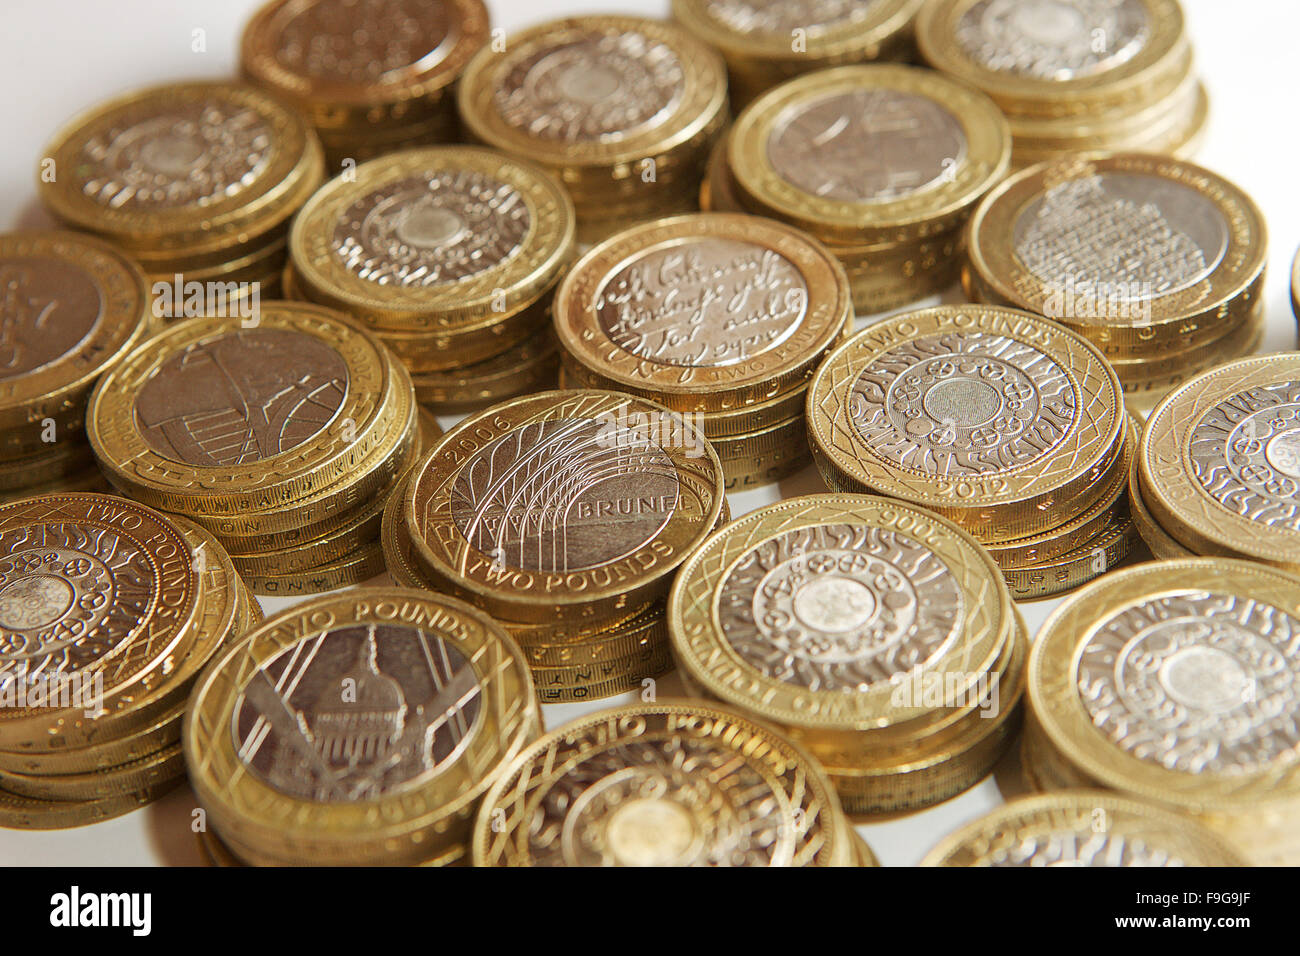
(564, 505)
(677, 783)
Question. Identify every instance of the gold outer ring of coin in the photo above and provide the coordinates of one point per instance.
(490, 289)
(831, 722)
(540, 596)
(22, 813)
(629, 671)
(1181, 319)
(278, 494)
(825, 305)
(698, 112)
(532, 365)
(142, 773)
(60, 384)
(141, 662)
(1148, 75)
(627, 638)
(810, 827)
(292, 172)
(1070, 819)
(1145, 121)
(355, 567)
(1170, 488)
(406, 826)
(764, 456)
(58, 462)
(1069, 727)
(1027, 552)
(1158, 541)
(913, 215)
(337, 103)
(1075, 568)
(163, 732)
(1020, 502)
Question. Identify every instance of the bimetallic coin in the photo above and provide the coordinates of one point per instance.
(999, 420)
(358, 729)
(349, 64)
(444, 239)
(1082, 828)
(868, 154)
(563, 505)
(669, 784)
(1156, 538)
(142, 774)
(184, 168)
(1220, 461)
(25, 813)
(1140, 254)
(709, 312)
(1043, 58)
(1075, 568)
(69, 307)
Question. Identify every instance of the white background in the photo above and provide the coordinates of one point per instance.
(58, 57)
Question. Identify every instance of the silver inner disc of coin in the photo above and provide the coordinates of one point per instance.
(866, 146)
(813, 17)
(1053, 39)
(48, 307)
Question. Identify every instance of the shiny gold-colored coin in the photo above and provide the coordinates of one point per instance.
(622, 109)
(1220, 461)
(1082, 828)
(162, 733)
(994, 46)
(704, 313)
(564, 505)
(174, 425)
(756, 38)
(531, 366)
(1032, 246)
(350, 68)
(25, 813)
(355, 567)
(72, 306)
(100, 601)
(800, 613)
(997, 419)
(448, 242)
(764, 456)
(184, 169)
(142, 774)
(274, 758)
(1073, 569)
(810, 153)
(1156, 538)
(1164, 682)
(676, 783)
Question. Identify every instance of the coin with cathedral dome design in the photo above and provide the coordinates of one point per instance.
(1220, 461)
(182, 167)
(677, 783)
(703, 312)
(70, 306)
(810, 612)
(1140, 254)
(563, 505)
(375, 720)
(444, 238)
(1043, 57)
(1000, 420)
(98, 603)
(868, 155)
(216, 420)
(1083, 828)
(1174, 681)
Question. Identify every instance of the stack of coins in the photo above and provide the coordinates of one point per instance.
(281, 439)
(1008, 424)
(373, 720)
(1083, 828)
(878, 635)
(564, 515)
(1174, 682)
(881, 163)
(677, 783)
(1157, 262)
(70, 307)
(1218, 471)
(110, 610)
(372, 76)
(623, 110)
(768, 43)
(450, 256)
(1074, 74)
(720, 317)
(196, 181)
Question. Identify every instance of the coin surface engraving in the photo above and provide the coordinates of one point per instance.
(865, 146)
(241, 397)
(812, 16)
(47, 309)
(358, 712)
